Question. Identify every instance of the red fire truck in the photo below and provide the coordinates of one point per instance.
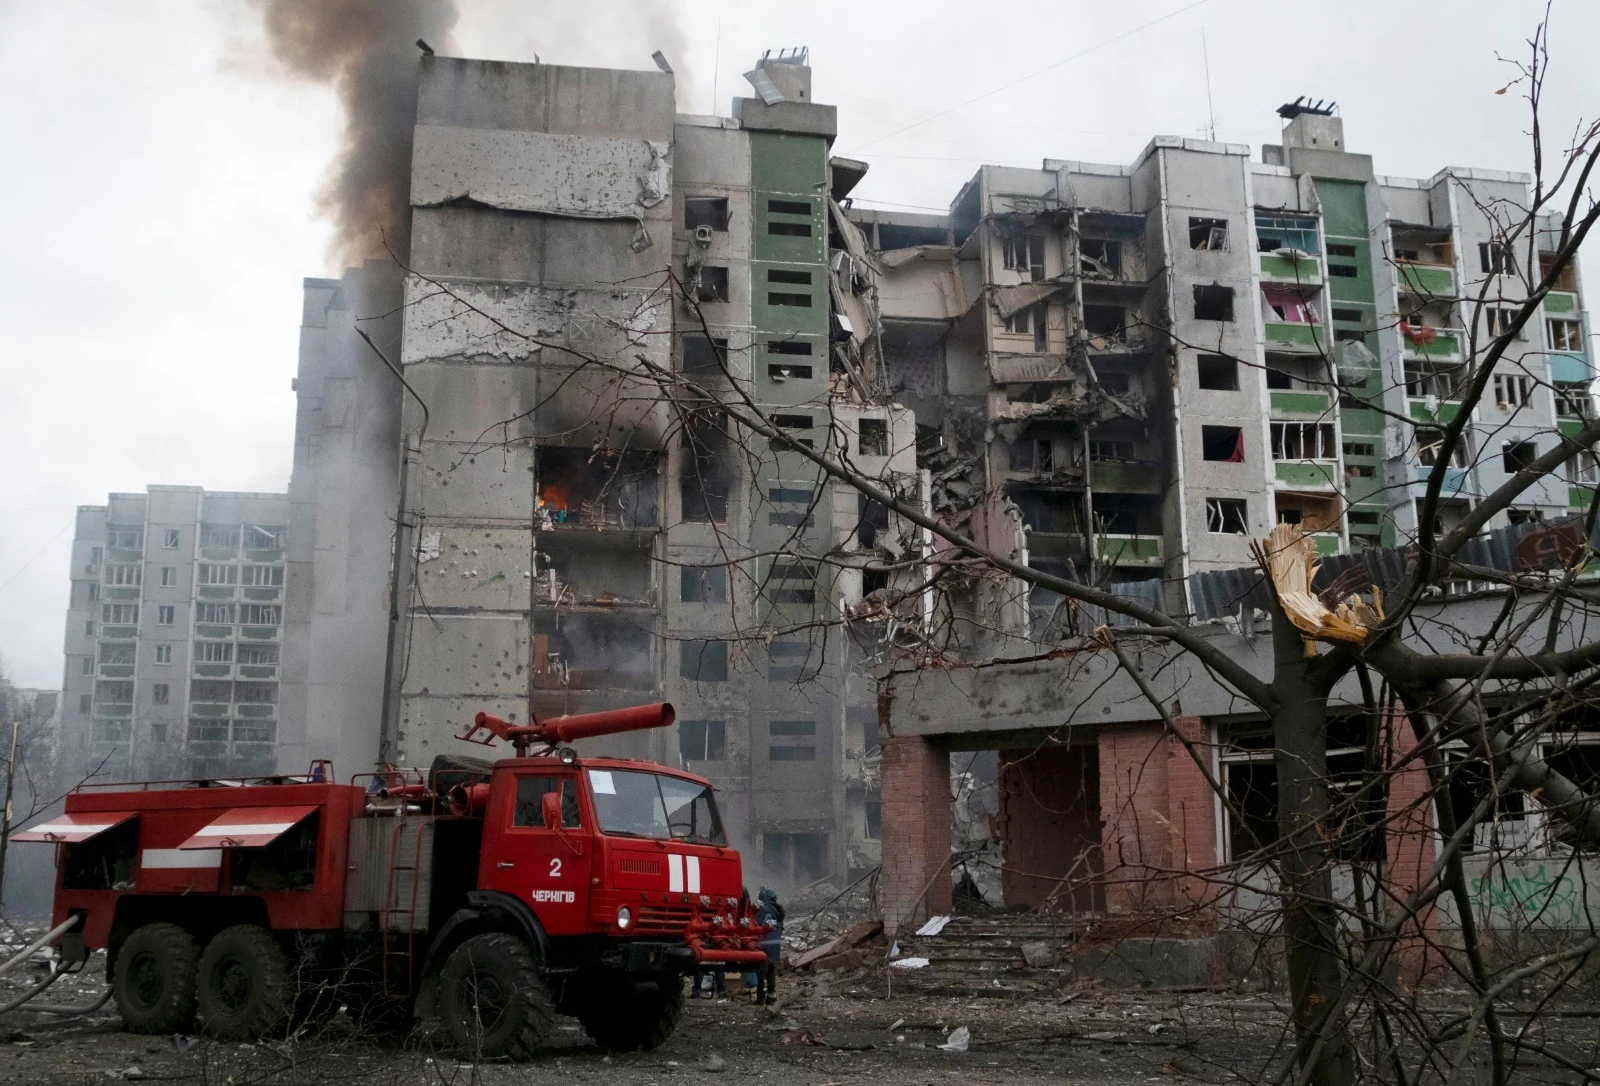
(491, 896)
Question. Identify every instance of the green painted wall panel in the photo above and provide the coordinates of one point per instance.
(1299, 403)
(1301, 474)
(1560, 302)
(780, 162)
(1427, 279)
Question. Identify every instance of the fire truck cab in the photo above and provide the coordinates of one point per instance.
(488, 897)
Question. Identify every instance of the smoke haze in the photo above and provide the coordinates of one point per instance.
(366, 51)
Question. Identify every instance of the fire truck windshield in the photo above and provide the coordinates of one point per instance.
(639, 804)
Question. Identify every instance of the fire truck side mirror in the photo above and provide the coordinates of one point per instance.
(550, 805)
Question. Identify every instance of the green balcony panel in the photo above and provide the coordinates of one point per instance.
(1327, 543)
(1569, 427)
(1114, 478)
(119, 633)
(1282, 333)
(262, 593)
(1359, 420)
(1444, 345)
(215, 592)
(212, 671)
(1290, 269)
(1299, 403)
(1559, 301)
(1427, 279)
(255, 710)
(259, 633)
(211, 710)
(1579, 497)
(1130, 548)
(1446, 412)
(1301, 473)
(1569, 366)
(213, 631)
(257, 671)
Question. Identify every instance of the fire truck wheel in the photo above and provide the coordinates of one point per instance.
(634, 1018)
(246, 989)
(155, 979)
(493, 1000)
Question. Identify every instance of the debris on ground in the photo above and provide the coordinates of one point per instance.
(934, 925)
(957, 1041)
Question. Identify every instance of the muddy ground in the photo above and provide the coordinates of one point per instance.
(854, 1034)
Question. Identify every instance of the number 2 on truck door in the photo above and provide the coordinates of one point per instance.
(546, 868)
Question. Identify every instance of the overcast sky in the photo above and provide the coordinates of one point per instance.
(159, 181)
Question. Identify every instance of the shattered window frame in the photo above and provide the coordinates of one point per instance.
(1565, 335)
(1227, 372)
(711, 211)
(1024, 252)
(702, 740)
(1214, 298)
(1207, 234)
(703, 661)
(1222, 444)
(1304, 441)
(1227, 516)
(878, 443)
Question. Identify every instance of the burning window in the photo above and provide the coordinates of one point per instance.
(592, 489)
(708, 469)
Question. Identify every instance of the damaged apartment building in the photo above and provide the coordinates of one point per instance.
(1115, 373)
(597, 287)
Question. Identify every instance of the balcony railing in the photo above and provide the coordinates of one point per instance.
(1432, 409)
(1304, 474)
(1290, 269)
(1291, 336)
(1432, 280)
(1326, 542)
(1432, 344)
(1131, 549)
(1298, 402)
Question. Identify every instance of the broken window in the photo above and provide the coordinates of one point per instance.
(872, 517)
(1100, 257)
(1303, 441)
(792, 741)
(1224, 444)
(1565, 335)
(1218, 373)
(872, 437)
(1117, 384)
(872, 819)
(169, 538)
(874, 580)
(257, 537)
(1567, 280)
(1107, 449)
(219, 537)
(778, 277)
(1518, 456)
(213, 652)
(120, 614)
(1525, 516)
(1423, 380)
(798, 858)
(1289, 307)
(1430, 445)
(791, 582)
(1500, 320)
(210, 690)
(702, 740)
(116, 654)
(703, 584)
(801, 516)
(1033, 455)
(1213, 303)
(703, 356)
(1574, 402)
(1025, 253)
(1311, 513)
(1227, 516)
(215, 574)
(1512, 390)
(1105, 323)
(260, 614)
(261, 576)
(711, 284)
(1126, 514)
(709, 211)
(592, 651)
(596, 489)
(1496, 258)
(703, 661)
(258, 654)
(126, 539)
(709, 469)
(1208, 234)
(789, 348)
(1274, 232)
(793, 660)
(256, 693)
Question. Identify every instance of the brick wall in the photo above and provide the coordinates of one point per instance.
(1159, 817)
(915, 882)
(1049, 823)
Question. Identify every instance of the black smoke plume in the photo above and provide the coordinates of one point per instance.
(366, 50)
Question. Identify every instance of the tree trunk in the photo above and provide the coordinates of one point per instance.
(1310, 922)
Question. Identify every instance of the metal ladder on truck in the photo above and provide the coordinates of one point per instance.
(399, 955)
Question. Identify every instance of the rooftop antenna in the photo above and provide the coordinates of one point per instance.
(1211, 126)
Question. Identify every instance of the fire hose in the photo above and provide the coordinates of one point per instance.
(55, 975)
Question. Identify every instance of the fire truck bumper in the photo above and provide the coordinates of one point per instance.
(679, 958)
